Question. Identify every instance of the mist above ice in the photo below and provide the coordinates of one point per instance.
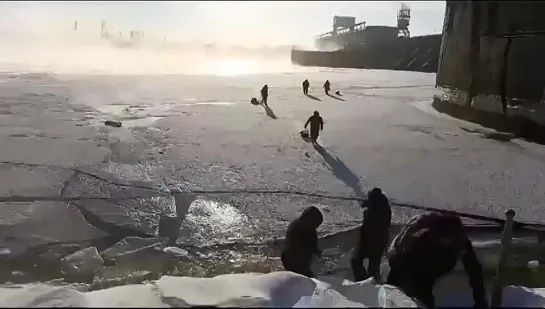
(35, 37)
(105, 57)
(219, 38)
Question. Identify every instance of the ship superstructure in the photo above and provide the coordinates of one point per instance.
(347, 34)
(358, 45)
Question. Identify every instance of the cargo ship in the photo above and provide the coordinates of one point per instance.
(357, 45)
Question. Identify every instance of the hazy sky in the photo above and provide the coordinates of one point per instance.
(251, 23)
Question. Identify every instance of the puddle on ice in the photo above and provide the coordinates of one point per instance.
(209, 222)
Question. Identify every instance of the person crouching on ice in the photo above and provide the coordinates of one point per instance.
(302, 242)
(427, 249)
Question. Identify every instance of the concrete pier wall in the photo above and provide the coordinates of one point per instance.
(476, 65)
(454, 64)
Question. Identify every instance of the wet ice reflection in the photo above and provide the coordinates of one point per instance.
(209, 222)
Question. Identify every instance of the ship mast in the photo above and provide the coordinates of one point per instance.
(403, 20)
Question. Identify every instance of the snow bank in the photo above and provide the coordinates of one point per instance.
(513, 296)
(278, 289)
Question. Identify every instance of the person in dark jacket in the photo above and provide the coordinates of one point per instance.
(316, 125)
(425, 250)
(327, 87)
(374, 235)
(306, 84)
(302, 242)
(265, 94)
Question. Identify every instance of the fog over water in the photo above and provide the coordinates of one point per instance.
(217, 38)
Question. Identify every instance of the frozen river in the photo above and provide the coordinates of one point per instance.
(200, 132)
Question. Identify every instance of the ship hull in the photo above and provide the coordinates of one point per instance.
(420, 54)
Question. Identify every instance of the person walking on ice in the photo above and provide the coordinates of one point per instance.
(316, 125)
(327, 87)
(306, 84)
(265, 94)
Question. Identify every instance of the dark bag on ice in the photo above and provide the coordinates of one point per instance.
(304, 134)
(254, 101)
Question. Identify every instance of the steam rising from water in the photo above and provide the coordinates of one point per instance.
(104, 57)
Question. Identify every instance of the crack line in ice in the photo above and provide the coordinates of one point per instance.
(528, 225)
(176, 191)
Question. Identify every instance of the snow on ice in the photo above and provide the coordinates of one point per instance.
(277, 289)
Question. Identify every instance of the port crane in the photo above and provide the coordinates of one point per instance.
(403, 20)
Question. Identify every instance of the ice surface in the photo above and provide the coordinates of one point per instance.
(277, 289)
(207, 135)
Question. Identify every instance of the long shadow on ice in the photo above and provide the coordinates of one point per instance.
(313, 97)
(335, 97)
(269, 112)
(341, 171)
